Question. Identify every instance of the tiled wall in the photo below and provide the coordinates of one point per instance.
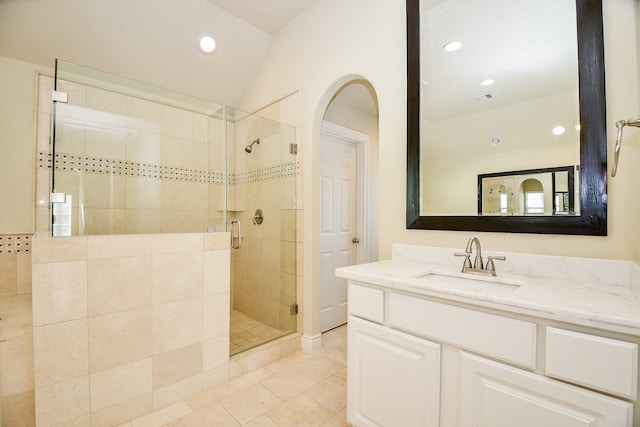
(80, 385)
(130, 165)
(288, 110)
(16, 335)
(124, 325)
(16, 360)
(264, 267)
(15, 264)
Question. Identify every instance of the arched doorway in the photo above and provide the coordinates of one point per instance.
(348, 193)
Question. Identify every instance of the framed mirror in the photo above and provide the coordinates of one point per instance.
(545, 59)
(538, 192)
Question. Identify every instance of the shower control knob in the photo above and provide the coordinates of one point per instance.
(355, 240)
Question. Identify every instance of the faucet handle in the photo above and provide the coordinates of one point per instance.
(490, 266)
(467, 260)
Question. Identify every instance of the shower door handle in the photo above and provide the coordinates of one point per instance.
(236, 240)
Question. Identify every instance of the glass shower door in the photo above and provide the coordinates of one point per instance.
(262, 196)
(132, 158)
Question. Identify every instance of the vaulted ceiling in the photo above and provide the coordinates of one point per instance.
(154, 41)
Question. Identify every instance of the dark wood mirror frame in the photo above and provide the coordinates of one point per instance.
(593, 140)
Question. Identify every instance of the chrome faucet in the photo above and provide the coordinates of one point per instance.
(478, 266)
(477, 262)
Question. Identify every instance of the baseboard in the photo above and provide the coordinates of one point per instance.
(312, 344)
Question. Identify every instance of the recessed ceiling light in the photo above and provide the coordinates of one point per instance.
(558, 130)
(495, 141)
(452, 46)
(207, 43)
(487, 82)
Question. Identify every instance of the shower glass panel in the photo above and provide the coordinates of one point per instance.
(131, 158)
(262, 196)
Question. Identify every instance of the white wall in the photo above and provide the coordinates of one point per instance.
(337, 39)
(17, 155)
(331, 43)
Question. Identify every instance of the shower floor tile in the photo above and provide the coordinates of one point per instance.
(247, 332)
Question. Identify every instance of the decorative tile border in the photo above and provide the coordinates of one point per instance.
(91, 164)
(15, 243)
(269, 173)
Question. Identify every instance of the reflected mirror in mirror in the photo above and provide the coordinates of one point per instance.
(538, 192)
(522, 89)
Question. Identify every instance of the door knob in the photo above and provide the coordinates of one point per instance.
(355, 240)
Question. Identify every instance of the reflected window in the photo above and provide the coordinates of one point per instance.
(504, 203)
(532, 196)
(534, 202)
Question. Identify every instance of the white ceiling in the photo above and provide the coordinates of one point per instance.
(527, 47)
(270, 16)
(154, 41)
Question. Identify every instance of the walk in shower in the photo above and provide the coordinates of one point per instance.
(130, 158)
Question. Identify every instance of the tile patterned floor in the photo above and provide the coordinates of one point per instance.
(247, 333)
(298, 390)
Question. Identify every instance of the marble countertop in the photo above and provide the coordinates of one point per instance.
(611, 307)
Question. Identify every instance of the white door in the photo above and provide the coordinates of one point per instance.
(496, 395)
(338, 226)
(394, 378)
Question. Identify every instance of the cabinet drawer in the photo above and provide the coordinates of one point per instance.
(366, 302)
(507, 339)
(592, 361)
(494, 394)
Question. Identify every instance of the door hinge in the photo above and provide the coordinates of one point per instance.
(60, 96)
(293, 148)
(57, 198)
(293, 309)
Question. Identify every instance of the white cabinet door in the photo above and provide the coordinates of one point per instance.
(394, 378)
(497, 395)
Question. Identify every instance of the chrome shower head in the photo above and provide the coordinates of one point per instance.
(249, 147)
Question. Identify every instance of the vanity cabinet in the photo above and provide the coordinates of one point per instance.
(417, 361)
(497, 395)
(394, 378)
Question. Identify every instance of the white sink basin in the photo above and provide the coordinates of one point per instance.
(470, 282)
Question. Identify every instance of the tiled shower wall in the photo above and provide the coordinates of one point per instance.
(135, 166)
(15, 264)
(264, 268)
(130, 165)
(288, 110)
(124, 325)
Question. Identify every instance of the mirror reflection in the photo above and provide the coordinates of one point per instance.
(523, 86)
(528, 192)
(499, 92)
